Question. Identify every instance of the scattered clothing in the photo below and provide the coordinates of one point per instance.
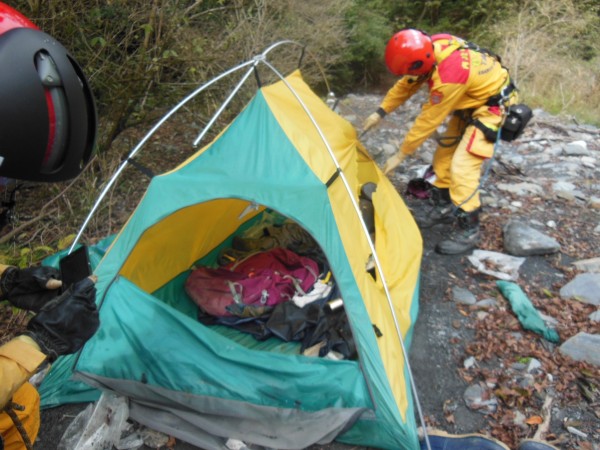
(527, 314)
(263, 279)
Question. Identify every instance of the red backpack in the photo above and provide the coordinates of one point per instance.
(261, 280)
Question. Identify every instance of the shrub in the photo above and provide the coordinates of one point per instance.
(553, 51)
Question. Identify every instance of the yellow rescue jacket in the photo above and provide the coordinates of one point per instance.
(19, 360)
(462, 78)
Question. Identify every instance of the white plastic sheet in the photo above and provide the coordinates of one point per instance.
(504, 267)
(99, 426)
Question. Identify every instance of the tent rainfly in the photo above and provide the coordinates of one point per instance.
(288, 153)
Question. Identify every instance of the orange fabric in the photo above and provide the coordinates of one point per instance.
(28, 397)
(19, 359)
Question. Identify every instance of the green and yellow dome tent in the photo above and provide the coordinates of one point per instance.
(286, 152)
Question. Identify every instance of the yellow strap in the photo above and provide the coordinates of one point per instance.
(453, 45)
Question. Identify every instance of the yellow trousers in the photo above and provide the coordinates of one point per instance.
(462, 150)
(27, 397)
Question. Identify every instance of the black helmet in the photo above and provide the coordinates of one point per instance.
(47, 111)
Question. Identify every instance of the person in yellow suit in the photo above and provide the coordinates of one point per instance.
(47, 133)
(63, 323)
(471, 86)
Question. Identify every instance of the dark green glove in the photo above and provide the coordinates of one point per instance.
(64, 324)
(30, 288)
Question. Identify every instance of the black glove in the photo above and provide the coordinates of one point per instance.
(30, 288)
(64, 324)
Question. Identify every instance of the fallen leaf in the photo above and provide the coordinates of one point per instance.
(534, 420)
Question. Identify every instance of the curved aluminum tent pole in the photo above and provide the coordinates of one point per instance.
(371, 245)
(254, 61)
(145, 139)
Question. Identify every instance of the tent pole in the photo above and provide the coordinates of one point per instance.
(122, 166)
(254, 61)
(371, 245)
(144, 140)
(224, 105)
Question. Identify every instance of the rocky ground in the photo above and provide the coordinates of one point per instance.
(477, 369)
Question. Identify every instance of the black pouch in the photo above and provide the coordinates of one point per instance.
(516, 120)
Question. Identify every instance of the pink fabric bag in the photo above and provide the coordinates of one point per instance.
(262, 279)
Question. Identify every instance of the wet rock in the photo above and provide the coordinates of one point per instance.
(469, 362)
(519, 420)
(523, 240)
(486, 303)
(564, 186)
(480, 399)
(589, 162)
(521, 189)
(463, 296)
(588, 265)
(594, 202)
(534, 366)
(584, 287)
(526, 381)
(519, 366)
(577, 148)
(583, 347)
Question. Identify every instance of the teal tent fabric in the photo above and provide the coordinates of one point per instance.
(151, 348)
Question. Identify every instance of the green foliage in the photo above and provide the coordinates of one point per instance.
(25, 256)
(552, 49)
(368, 31)
(142, 56)
(461, 17)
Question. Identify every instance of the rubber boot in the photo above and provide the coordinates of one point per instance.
(464, 236)
(441, 210)
(531, 444)
(440, 440)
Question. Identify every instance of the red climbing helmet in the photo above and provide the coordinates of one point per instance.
(409, 52)
(47, 111)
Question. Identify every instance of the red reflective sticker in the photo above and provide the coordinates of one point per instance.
(436, 97)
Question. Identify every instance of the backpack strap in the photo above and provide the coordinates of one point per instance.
(503, 96)
(446, 44)
(237, 296)
(489, 134)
